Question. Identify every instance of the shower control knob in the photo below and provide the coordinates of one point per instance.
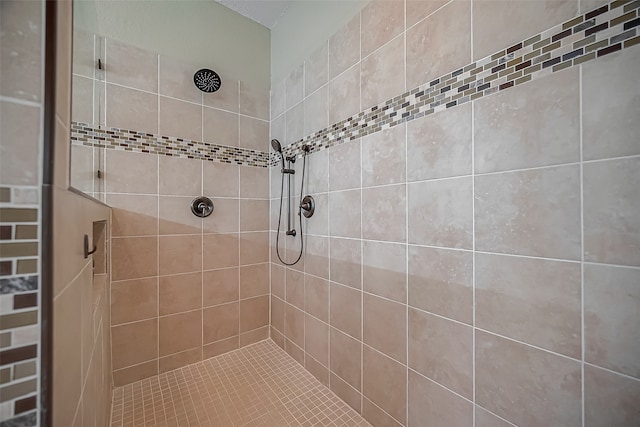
(202, 207)
(308, 206)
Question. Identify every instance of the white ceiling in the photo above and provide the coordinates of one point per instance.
(264, 12)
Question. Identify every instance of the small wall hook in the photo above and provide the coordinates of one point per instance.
(88, 252)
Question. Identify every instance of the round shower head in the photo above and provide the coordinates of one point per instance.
(207, 80)
(276, 145)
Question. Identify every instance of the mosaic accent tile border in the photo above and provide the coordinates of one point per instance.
(19, 328)
(142, 142)
(607, 29)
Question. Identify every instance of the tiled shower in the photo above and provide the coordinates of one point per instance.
(473, 259)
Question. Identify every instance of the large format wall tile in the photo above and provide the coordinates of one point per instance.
(611, 206)
(383, 72)
(390, 203)
(316, 70)
(439, 146)
(344, 166)
(439, 44)
(610, 399)
(380, 375)
(517, 382)
(432, 404)
(385, 326)
(344, 94)
(384, 157)
(180, 119)
(611, 318)
(346, 262)
(346, 310)
(440, 213)
(611, 106)
(385, 270)
(535, 212)
(551, 110)
(131, 66)
(131, 172)
(131, 109)
(20, 140)
(344, 213)
(344, 47)
(346, 358)
(381, 21)
(531, 300)
(176, 80)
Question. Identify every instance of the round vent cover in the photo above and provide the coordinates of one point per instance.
(207, 80)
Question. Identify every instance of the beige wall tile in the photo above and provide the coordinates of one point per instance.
(316, 111)
(317, 256)
(294, 351)
(179, 254)
(385, 326)
(219, 286)
(254, 336)
(385, 270)
(180, 119)
(344, 213)
(136, 343)
(497, 25)
(179, 293)
(319, 371)
(531, 300)
(294, 86)
(254, 248)
(179, 332)
(134, 257)
(318, 224)
(133, 215)
(254, 280)
(346, 358)
(346, 262)
(550, 108)
(485, 418)
(294, 124)
(220, 347)
(277, 313)
(294, 326)
(128, 65)
(516, 382)
(295, 288)
(135, 373)
(254, 215)
(439, 44)
(316, 69)
(227, 97)
(417, 10)
(440, 281)
(128, 172)
(82, 100)
(440, 213)
(254, 101)
(612, 235)
(371, 411)
(220, 322)
(350, 395)
(381, 21)
(316, 339)
(179, 360)
(176, 80)
(317, 177)
(439, 146)
(220, 250)
(345, 312)
(277, 280)
(220, 127)
(344, 95)
(254, 134)
(390, 203)
(384, 157)
(82, 176)
(611, 317)
(381, 374)
(344, 47)
(316, 297)
(21, 53)
(220, 179)
(175, 216)
(225, 217)
(277, 99)
(610, 399)
(344, 166)
(382, 72)
(134, 300)
(254, 182)
(131, 109)
(254, 313)
(431, 404)
(610, 106)
(20, 139)
(529, 213)
(442, 350)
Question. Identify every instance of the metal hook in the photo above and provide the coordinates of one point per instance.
(88, 252)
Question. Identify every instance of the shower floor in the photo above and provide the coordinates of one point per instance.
(257, 385)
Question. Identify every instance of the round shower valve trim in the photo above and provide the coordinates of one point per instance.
(202, 207)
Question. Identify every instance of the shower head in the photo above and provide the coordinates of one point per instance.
(276, 145)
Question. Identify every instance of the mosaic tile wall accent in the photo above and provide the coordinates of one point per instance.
(602, 31)
(19, 328)
(142, 142)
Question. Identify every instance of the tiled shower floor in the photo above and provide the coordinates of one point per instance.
(258, 385)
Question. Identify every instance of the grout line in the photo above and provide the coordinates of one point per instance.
(582, 317)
